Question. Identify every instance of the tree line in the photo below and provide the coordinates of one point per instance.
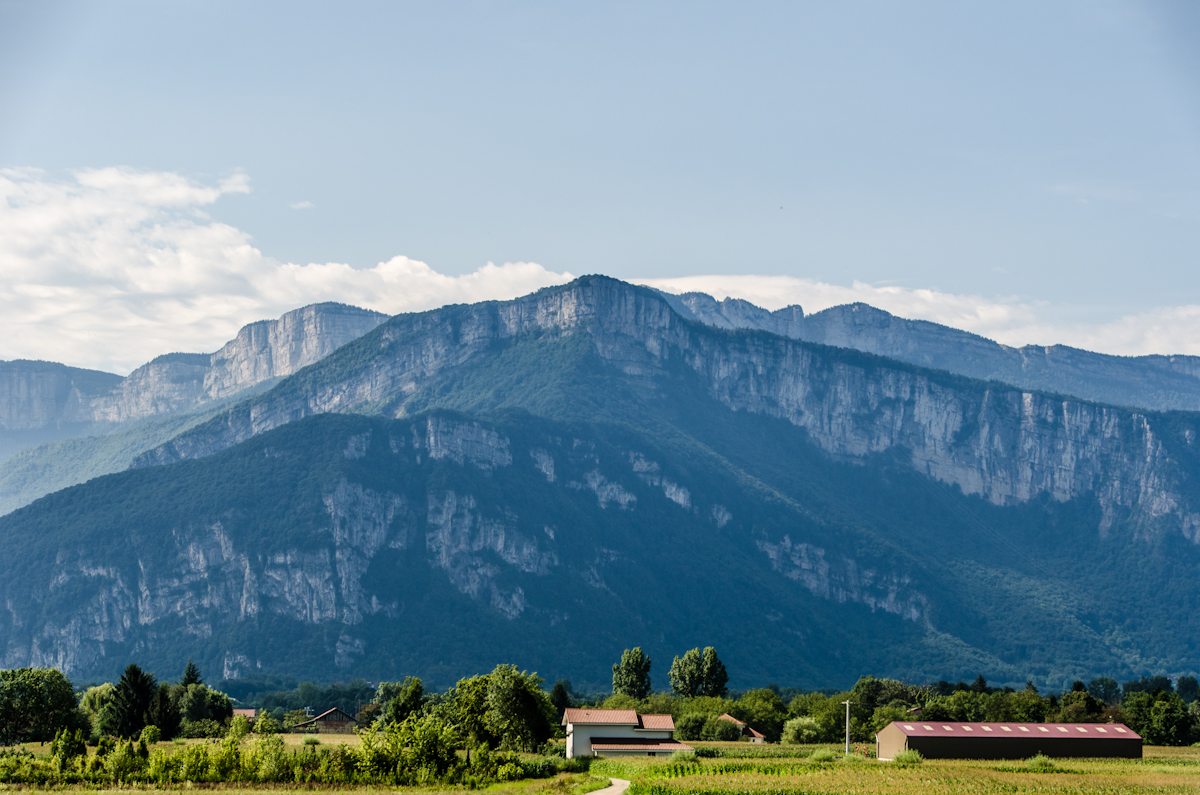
(469, 733)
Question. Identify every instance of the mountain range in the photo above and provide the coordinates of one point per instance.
(598, 465)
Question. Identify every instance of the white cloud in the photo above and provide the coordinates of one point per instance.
(302, 205)
(111, 267)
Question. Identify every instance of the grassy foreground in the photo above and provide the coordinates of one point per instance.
(776, 770)
(812, 770)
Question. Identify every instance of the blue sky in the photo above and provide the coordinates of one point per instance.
(1043, 158)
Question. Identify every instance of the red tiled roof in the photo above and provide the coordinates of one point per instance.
(658, 722)
(1094, 731)
(600, 717)
(245, 712)
(637, 744)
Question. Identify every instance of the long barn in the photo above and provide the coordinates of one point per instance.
(939, 740)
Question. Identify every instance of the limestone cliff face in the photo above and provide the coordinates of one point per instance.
(277, 348)
(37, 395)
(1004, 444)
(166, 385)
(453, 507)
(42, 394)
(1149, 382)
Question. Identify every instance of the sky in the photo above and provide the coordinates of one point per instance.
(170, 171)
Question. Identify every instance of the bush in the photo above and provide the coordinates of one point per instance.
(909, 758)
(805, 729)
(204, 728)
(690, 726)
(823, 755)
(311, 741)
(150, 735)
(716, 728)
(1040, 764)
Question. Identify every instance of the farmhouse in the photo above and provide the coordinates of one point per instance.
(938, 740)
(619, 732)
(331, 720)
(748, 732)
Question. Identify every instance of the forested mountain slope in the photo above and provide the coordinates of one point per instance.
(551, 479)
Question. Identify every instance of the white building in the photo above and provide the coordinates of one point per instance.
(619, 732)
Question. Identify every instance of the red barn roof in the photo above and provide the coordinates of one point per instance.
(600, 717)
(1096, 731)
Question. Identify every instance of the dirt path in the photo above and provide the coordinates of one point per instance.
(617, 787)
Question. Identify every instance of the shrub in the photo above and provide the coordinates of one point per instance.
(193, 763)
(311, 741)
(150, 735)
(716, 728)
(1040, 764)
(203, 728)
(823, 755)
(690, 726)
(909, 758)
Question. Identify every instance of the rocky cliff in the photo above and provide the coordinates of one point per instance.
(1161, 383)
(36, 395)
(1006, 445)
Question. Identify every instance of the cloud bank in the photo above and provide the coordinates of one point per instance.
(110, 267)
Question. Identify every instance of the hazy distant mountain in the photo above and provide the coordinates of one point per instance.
(553, 478)
(1150, 382)
(61, 425)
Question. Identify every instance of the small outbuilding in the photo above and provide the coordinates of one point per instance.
(938, 740)
(749, 733)
(331, 720)
(619, 732)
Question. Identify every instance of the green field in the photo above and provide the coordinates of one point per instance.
(803, 770)
(775, 770)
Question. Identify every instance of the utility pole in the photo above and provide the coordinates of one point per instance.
(847, 703)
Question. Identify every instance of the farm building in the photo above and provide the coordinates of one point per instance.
(331, 720)
(937, 740)
(748, 732)
(619, 732)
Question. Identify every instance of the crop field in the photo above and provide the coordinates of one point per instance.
(800, 770)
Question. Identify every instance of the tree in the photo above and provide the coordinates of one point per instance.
(1170, 723)
(721, 730)
(699, 673)
(35, 703)
(191, 675)
(631, 676)
(132, 699)
(201, 702)
(519, 713)
(1106, 689)
(686, 675)
(764, 710)
(713, 674)
(560, 696)
(690, 726)
(94, 703)
(1188, 688)
(164, 713)
(398, 700)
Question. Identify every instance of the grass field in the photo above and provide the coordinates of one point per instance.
(821, 770)
(776, 770)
